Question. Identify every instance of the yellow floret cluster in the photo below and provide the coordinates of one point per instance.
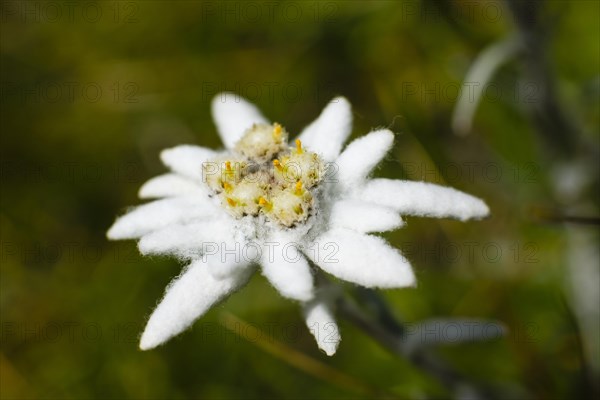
(264, 175)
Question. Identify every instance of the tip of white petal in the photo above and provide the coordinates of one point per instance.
(145, 193)
(340, 106)
(322, 325)
(478, 209)
(485, 210)
(224, 97)
(404, 278)
(151, 339)
(110, 234)
(329, 349)
(340, 99)
(407, 278)
(385, 135)
(153, 190)
(167, 156)
(147, 244)
(410, 281)
(117, 231)
(470, 207)
(157, 331)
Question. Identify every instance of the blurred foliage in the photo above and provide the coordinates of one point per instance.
(92, 91)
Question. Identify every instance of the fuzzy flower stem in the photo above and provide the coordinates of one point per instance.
(389, 333)
(390, 337)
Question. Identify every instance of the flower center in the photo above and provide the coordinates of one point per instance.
(263, 175)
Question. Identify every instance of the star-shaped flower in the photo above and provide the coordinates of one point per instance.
(286, 208)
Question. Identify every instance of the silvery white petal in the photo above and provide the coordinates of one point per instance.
(233, 115)
(362, 155)
(187, 298)
(188, 241)
(168, 185)
(287, 269)
(322, 325)
(187, 160)
(423, 199)
(329, 131)
(362, 259)
(159, 214)
(364, 217)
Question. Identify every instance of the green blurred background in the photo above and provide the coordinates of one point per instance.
(92, 91)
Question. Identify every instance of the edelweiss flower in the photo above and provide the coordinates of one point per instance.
(263, 202)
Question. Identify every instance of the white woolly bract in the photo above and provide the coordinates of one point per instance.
(362, 155)
(364, 217)
(362, 259)
(233, 115)
(287, 269)
(168, 185)
(160, 214)
(423, 199)
(187, 298)
(187, 160)
(329, 131)
(189, 241)
(322, 325)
